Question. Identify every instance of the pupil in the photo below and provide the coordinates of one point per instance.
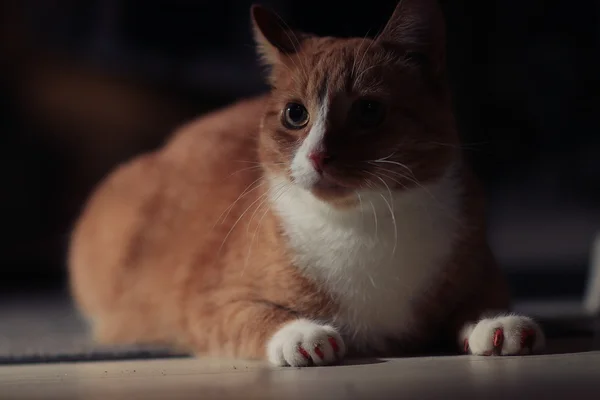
(369, 107)
(369, 113)
(296, 113)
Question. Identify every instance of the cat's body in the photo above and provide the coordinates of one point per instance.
(236, 239)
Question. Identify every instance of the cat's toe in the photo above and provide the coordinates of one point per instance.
(505, 335)
(304, 343)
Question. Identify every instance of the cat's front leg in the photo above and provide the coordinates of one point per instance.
(259, 330)
(502, 335)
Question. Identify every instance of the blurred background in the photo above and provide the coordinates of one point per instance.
(85, 85)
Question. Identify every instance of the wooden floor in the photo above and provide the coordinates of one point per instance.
(564, 376)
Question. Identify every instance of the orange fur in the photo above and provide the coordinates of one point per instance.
(183, 246)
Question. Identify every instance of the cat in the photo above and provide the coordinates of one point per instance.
(333, 216)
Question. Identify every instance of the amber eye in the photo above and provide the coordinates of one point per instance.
(295, 116)
(368, 113)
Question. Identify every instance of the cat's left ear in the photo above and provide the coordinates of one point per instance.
(418, 27)
(273, 36)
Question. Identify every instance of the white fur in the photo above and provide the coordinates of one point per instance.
(480, 335)
(282, 349)
(372, 266)
(302, 169)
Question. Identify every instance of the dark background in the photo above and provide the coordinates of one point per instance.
(85, 85)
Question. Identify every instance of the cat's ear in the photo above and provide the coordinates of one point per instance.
(273, 36)
(418, 27)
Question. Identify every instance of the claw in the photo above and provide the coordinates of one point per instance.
(527, 339)
(319, 352)
(466, 346)
(334, 344)
(498, 341)
(304, 353)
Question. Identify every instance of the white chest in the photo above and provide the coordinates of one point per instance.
(374, 260)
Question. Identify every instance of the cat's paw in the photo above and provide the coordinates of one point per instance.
(503, 335)
(302, 343)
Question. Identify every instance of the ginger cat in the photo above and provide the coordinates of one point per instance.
(333, 215)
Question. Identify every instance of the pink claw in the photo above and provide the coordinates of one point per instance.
(527, 339)
(498, 340)
(304, 353)
(319, 352)
(334, 344)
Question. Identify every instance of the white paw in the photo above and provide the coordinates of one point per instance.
(302, 343)
(503, 335)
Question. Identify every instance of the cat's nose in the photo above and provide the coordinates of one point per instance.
(319, 159)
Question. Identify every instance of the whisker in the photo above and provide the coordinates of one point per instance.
(460, 146)
(376, 222)
(412, 179)
(365, 71)
(244, 169)
(424, 188)
(287, 29)
(392, 179)
(370, 186)
(392, 213)
(259, 163)
(392, 154)
(408, 178)
(257, 208)
(360, 66)
(243, 194)
(247, 162)
(239, 219)
(371, 279)
(280, 191)
(390, 207)
(360, 207)
(357, 53)
(395, 163)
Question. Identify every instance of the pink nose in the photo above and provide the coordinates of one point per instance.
(318, 158)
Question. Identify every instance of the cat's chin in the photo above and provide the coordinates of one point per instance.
(333, 192)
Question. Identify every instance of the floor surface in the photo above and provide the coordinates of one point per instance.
(35, 333)
(45, 328)
(565, 376)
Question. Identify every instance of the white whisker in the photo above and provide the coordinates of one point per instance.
(395, 163)
(391, 208)
(360, 207)
(441, 204)
(357, 53)
(280, 190)
(243, 194)
(244, 169)
(239, 219)
(376, 223)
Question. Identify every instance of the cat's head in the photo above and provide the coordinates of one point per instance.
(357, 114)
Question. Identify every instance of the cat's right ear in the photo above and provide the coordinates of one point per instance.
(418, 27)
(273, 36)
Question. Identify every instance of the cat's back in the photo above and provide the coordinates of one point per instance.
(221, 140)
(160, 207)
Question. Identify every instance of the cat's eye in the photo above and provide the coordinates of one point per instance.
(368, 113)
(295, 116)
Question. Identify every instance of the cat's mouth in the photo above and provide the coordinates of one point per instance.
(328, 186)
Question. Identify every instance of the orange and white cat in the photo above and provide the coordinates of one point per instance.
(333, 215)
